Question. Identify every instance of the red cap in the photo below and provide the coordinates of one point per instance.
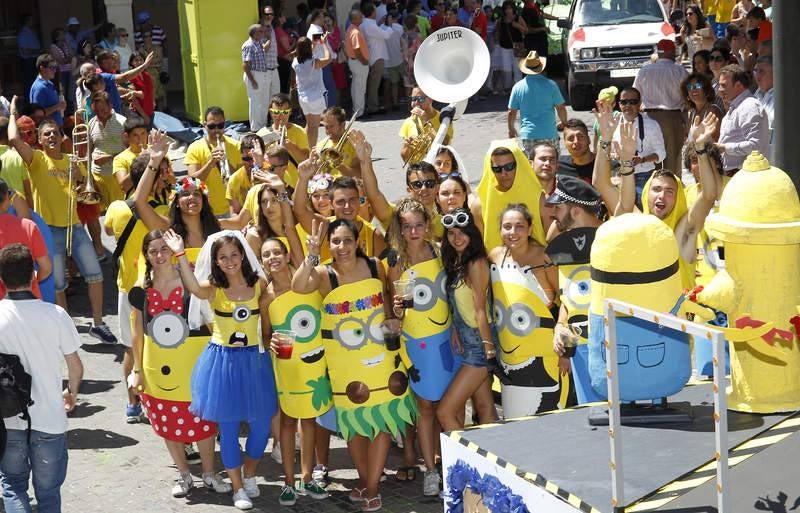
(26, 123)
(666, 45)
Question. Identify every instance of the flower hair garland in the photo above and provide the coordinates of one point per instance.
(188, 182)
(319, 182)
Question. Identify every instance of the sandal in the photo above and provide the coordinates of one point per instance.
(406, 473)
(373, 504)
(357, 494)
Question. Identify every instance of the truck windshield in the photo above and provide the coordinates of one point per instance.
(617, 12)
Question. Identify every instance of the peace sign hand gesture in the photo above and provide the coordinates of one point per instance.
(314, 239)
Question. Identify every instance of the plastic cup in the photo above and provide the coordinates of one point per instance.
(285, 343)
(405, 289)
(391, 329)
(570, 342)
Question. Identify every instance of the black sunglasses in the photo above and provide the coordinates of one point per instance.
(247, 159)
(215, 126)
(505, 167)
(630, 102)
(418, 184)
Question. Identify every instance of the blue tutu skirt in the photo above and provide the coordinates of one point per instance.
(233, 384)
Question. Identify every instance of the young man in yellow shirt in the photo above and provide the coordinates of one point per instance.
(422, 112)
(296, 141)
(335, 120)
(49, 170)
(135, 131)
(129, 250)
(241, 180)
(206, 159)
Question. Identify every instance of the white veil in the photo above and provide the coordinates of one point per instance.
(462, 169)
(200, 309)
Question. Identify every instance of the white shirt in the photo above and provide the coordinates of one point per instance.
(660, 85)
(107, 138)
(40, 334)
(124, 57)
(653, 142)
(767, 99)
(744, 129)
(395, 54)
(376, 39)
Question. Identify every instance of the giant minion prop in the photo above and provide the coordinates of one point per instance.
(634, 259)
(304, 389)
(758, 287)
(370, 384)
(526, 190)
(525, 331)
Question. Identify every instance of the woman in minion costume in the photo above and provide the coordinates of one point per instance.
(508, 178)
(426, 349)
(369, 381)
(524, 288)
(303, 386)
(232, 381)
(164, 352)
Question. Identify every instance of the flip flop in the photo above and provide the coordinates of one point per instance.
(406, 473)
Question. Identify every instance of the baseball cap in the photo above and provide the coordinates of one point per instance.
(574, 190)
(143, 17)
(73, 21)
(666, 45)
(314, 30)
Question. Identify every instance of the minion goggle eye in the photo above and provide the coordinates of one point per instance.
(460, 219)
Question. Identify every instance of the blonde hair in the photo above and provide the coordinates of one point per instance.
(394, 235)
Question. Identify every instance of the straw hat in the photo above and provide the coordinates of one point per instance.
(532, 64)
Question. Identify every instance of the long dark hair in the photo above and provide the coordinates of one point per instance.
(304, 49)
(218, 278)
(350, 225)
(263, 228)
(455, 265)
(208, 222)
(148, 268)
(458, 179)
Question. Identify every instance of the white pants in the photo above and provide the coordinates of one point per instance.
(358, 90)
(268, 84)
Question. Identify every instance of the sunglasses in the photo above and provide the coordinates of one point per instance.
(52, 67)
(280, 112)
(460, 220)
(691, 13)
(123, 35)
(247, 159)
(445, 176)
(694, 86)
(215, 126)
(270, 14)
(505, 167)
(362, 200)
(629, 102)
(417, 99)
(717, 58)
(419, 184)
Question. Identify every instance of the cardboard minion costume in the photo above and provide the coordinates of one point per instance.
(370, 384)
(304, 389)
(526, 190)
(758, 287)
(634, 259)
(426, 346)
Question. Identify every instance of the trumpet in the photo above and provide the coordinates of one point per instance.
(282, 135)
(331, 158)
(84, 192)
(419, 145)
(224, 166)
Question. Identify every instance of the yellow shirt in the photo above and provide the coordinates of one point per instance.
(348, 151)
(117, 217)
(409, 127)
(236, 323)
(724, 10)
(199, 152)
(298, 136)
(50, 183)
(250, 202)
(122, 162)
(238, 186)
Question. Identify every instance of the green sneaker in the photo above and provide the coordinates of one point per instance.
(314, 490)
(288, 497)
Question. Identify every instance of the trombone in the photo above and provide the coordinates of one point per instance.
(79, 192)
(331, 158)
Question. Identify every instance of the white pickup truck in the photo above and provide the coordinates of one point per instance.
(606, 42)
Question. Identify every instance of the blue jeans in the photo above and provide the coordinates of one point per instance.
(82, 252)
(641, 179)
(46, 456)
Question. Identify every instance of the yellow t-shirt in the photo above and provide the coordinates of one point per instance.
(409, 127)
(199, 152)
(49, 184)
(250, 202)
(298, 136)
(238, 186)
(117, 218)
(122, 162)
(348, 151)
(724, 10)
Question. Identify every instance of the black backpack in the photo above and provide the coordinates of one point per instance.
(15, 389)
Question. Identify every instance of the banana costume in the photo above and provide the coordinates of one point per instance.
(370, 385)
(525, 331)
(304, 389)
(426, 332)
(168, 356)
(526, 190)
(634, 259)
(759, 223)
(570, 252)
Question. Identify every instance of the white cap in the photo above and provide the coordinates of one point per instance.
(73, 21)
(314, 30)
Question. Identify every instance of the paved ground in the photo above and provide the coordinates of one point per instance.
(119, 467)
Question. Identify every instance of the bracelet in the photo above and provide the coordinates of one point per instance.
(627, 163)
(137, 371)
(701, 151)
(491, 354)
(282, 197)
(182, 253)
(604, 144)
(152, 168)
(628, 173)
(313, 259)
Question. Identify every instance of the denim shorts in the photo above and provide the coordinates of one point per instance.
(474, 353)
(82, 252)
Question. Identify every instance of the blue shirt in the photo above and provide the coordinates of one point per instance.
(111, 89)
(45, 94)
(536, 96)
(309, 80)
(28, 42)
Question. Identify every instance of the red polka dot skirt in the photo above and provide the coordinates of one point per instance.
(173, 420)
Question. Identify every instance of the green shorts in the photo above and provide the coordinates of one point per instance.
(395, 73)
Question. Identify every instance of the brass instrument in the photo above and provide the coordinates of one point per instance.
(419, 145)
(331, 158)
(224, 166)
(85, 192)
(282, 135)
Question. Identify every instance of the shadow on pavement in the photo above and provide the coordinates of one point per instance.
(83, 410)
(96, 386)
(118, 350)
(97, 439)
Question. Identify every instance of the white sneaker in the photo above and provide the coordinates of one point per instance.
(241, 500)
(183, 484)
(276, 453)
(251, 487)
(430, 486)
(215, 482)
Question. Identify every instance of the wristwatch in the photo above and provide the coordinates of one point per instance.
(312, 259)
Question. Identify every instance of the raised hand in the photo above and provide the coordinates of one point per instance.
(702, 131)
(606, 121)
(626, 147)
(174, 241)
(362, 146)
(307, 169)
(314, 239)
(158, 144)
